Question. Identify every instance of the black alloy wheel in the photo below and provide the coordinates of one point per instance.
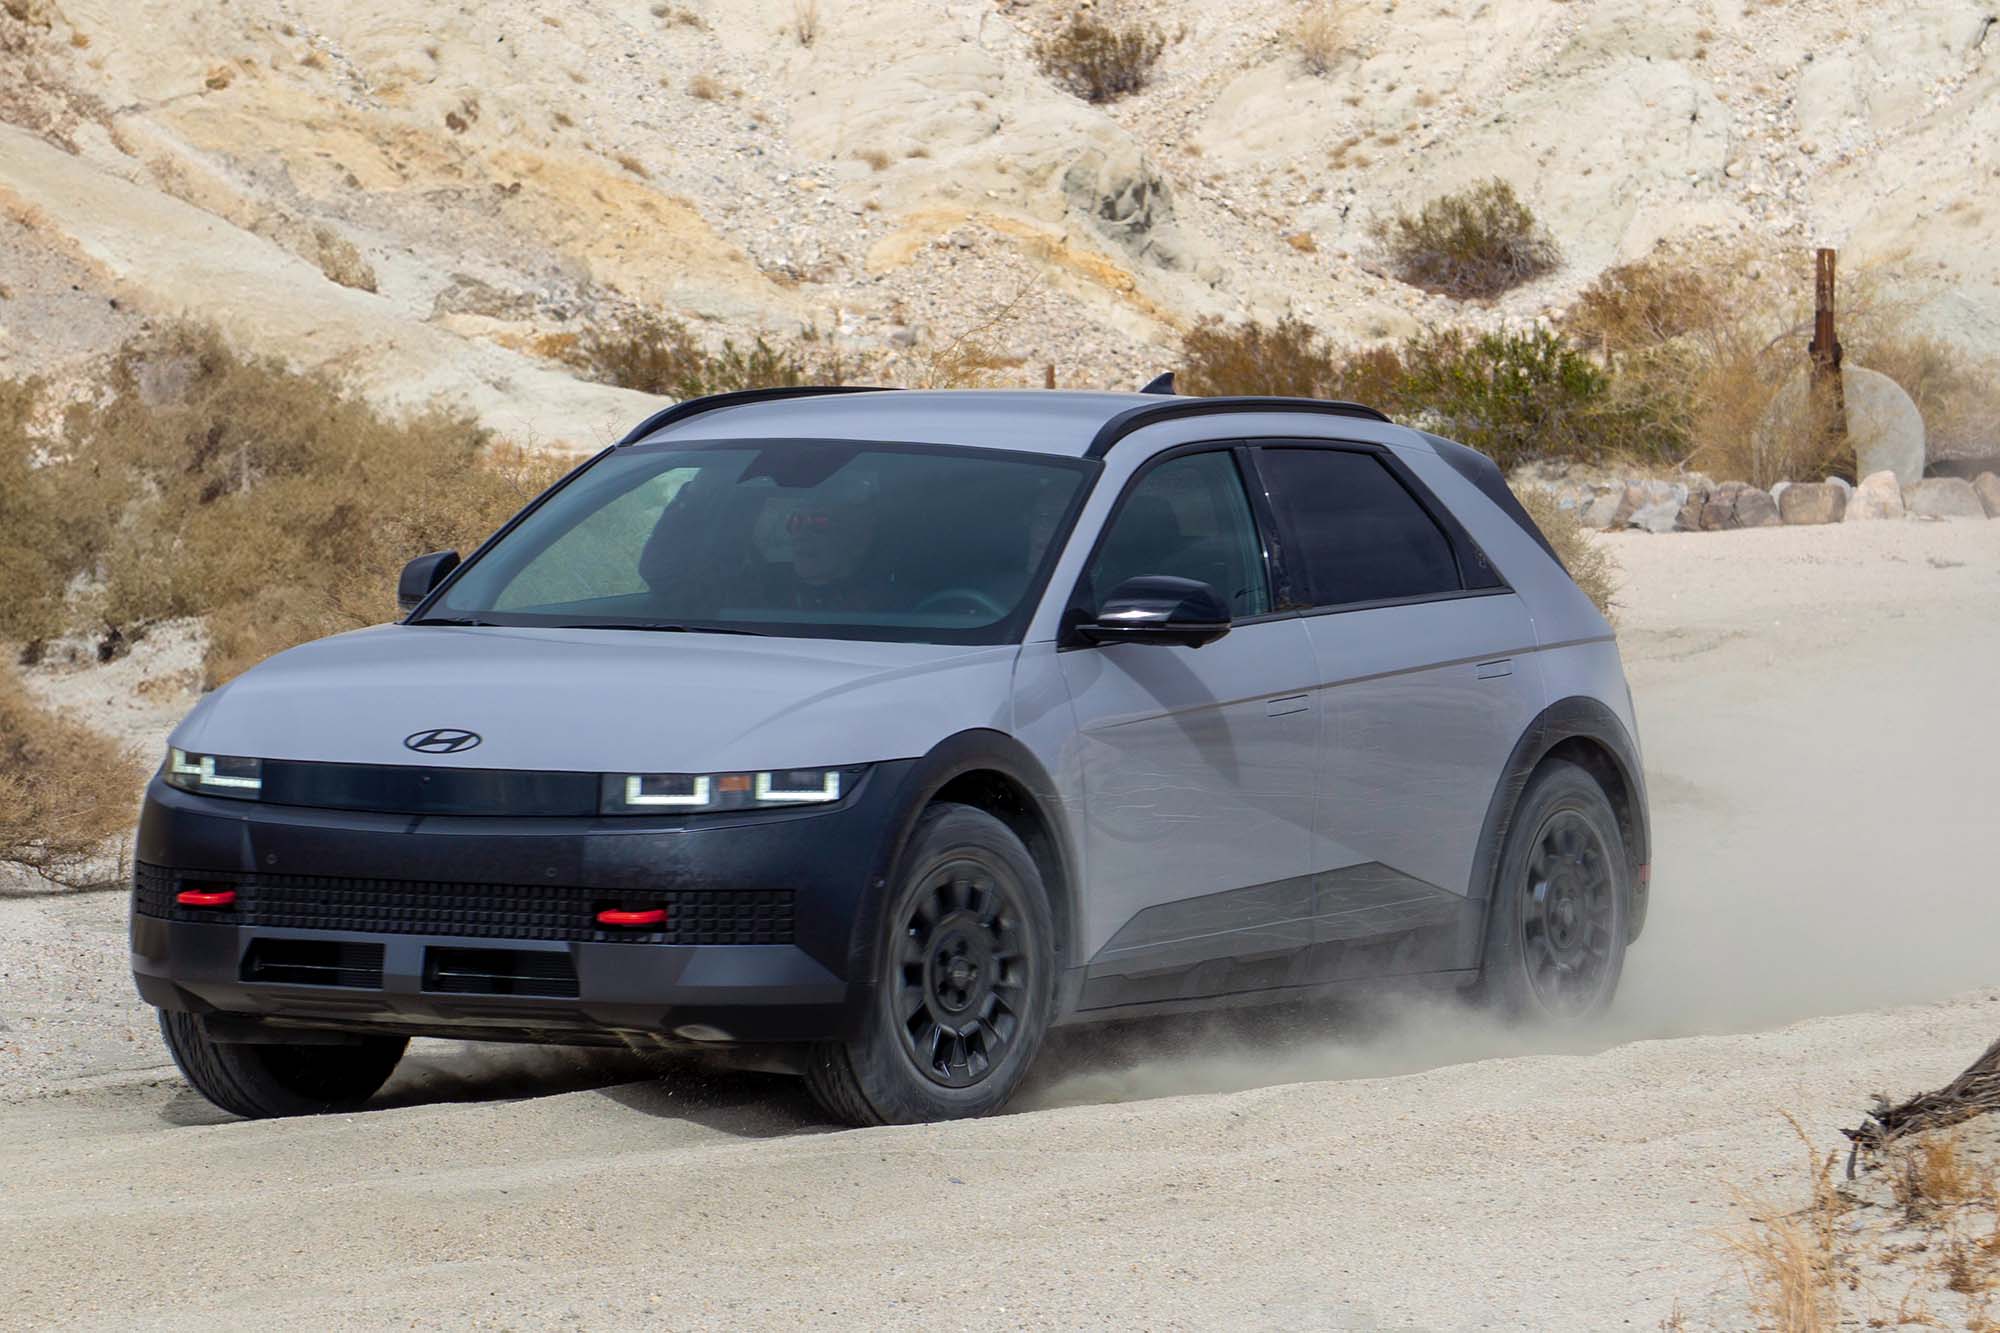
(1557, 924)
(966, 981)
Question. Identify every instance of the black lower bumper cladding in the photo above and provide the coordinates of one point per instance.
(743, 926)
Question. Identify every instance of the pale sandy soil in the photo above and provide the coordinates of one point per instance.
(1819, 713)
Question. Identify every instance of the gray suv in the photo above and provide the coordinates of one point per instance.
(871, 733)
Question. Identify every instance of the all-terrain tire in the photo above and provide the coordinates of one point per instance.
(1562, 893)
(964, 984)
(264, 1081)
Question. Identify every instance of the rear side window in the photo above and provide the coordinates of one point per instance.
(1357, 534)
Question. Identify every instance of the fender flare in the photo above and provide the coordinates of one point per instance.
(1576, 717)
(975, 750)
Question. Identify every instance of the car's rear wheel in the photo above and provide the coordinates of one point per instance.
(964, 981)
(1555, 942)
(260, 1081)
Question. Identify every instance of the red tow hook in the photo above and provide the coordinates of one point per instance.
(651, 916)
(206, 897)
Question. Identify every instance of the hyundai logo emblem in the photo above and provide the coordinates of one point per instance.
(441, 740)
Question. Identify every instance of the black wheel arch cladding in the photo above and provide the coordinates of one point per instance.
(1586, 732)
(991, 771)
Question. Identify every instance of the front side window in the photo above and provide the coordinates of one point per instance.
(1187, 517)
(1357, 534)
(817, 539)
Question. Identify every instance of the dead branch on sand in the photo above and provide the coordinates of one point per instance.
(1974, 1092)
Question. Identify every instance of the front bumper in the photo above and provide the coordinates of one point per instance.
(485, 928)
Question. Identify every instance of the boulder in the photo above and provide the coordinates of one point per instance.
(1660, 516)
(1812, 502)
(1720, 510)
(1688, 519)
(1754, 509)
(1987, 488)
(1128, 201)
(1883, 424)
(1878, 496)
(1943, 497)
(1601, 510)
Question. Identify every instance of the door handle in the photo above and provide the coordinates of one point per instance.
(1291, 703)
(1495, 670)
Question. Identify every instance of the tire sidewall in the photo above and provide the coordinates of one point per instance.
(1556, 787)
(896, 1089)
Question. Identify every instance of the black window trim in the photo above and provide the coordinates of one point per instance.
(1466, 554)
(1076, 609)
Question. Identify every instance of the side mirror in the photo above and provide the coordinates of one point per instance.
(1158, 608)
(421, 575)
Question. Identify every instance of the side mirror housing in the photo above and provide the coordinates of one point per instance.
(422, 575)
(1159, 608)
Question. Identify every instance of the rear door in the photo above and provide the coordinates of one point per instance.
(1198, 763)
(1425, 674)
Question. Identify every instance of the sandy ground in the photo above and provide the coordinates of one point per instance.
(1818, 711)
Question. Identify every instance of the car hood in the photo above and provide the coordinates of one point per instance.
(602, 700)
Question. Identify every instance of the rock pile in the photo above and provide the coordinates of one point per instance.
(1699, 504)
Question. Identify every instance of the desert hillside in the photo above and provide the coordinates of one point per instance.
(436, 199)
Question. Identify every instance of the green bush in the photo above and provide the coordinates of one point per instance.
(1099, 61)
(1515, 396)
(1477, 243)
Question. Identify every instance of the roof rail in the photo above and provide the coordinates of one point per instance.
(694, 407)
(1149, 414)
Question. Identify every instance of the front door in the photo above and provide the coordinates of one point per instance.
(1197, 763)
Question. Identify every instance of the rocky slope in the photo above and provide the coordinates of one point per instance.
(435, 198)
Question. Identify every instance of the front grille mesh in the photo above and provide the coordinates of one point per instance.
(484, 911)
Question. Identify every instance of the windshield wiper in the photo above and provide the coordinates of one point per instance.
(453, 620)
(664, 627)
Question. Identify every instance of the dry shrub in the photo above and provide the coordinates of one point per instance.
(1638, 306)
(1319, 35)
(340, 261)
(1477, 243)
(1934, 1174)
(658, 354)
(805, 21)
(1288, 359)
(1593, 567)
(65, 790)
(273, 501)
(1100, 61)
(705, 87)
(1721, 335)
(51, 523)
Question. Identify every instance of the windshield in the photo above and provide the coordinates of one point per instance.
(803, 538)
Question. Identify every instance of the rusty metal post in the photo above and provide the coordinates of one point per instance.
(1049, 376)
(1829, 398)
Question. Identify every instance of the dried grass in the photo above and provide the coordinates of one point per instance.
(1319, 35)
(805, 21)
(1792, 1258)
(65, 790)
(1590, 564)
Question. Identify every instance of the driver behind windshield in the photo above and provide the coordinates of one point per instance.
(832, 534)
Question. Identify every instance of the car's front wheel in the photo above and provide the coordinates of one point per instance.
(964, 981)
(1555, 941)
(261, 1081)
